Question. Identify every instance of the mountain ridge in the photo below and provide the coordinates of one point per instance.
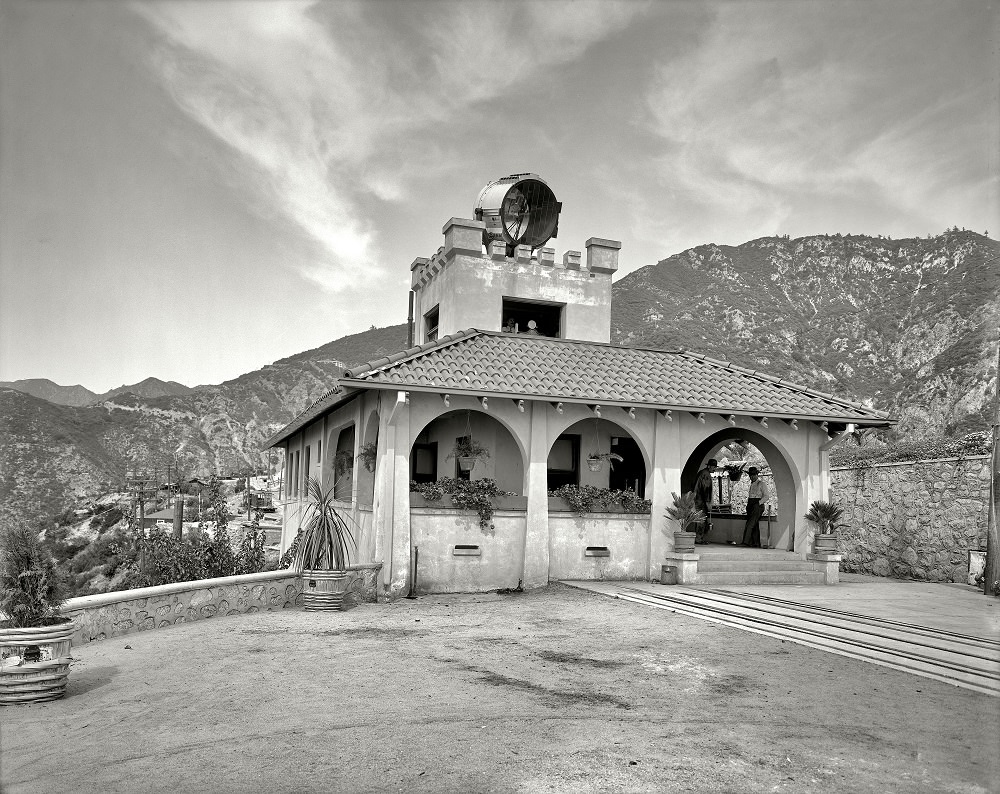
(901, 325)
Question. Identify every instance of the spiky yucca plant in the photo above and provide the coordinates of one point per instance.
(30, 588)
(684, 511)
(324, 536)
(825, 515)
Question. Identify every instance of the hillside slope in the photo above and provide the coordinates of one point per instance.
(907, 325)
(50, 454)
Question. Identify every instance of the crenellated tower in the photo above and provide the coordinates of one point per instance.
(484, 278)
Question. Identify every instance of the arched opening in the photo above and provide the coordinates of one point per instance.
(600, 453)
(343, 465)
(367, 461)
(434, 453)
(780, 523)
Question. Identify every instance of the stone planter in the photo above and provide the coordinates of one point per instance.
(34, 663)
(825, 544)
(684, 542)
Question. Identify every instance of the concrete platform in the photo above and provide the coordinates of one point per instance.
(957, 608)
(950, 633)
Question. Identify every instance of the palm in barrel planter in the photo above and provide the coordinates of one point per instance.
(687, 514)
(34, 638)
(826, 516)
(322, 550)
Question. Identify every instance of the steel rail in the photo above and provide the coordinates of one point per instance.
(971, 638)
(854, 648)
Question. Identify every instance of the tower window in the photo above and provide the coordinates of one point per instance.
(431, 325)
(521, 316)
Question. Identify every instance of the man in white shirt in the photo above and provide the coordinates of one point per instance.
(760, 495)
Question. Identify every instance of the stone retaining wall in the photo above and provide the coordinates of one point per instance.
(128, 611)
(916, 520)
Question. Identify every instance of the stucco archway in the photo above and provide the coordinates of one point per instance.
(787, 480)
(595, 435)
(434, 440)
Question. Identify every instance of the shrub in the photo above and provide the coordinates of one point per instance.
(31, 589)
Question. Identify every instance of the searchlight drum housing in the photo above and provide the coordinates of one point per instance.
(519, 209)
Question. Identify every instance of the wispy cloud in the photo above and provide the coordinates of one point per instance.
(786, 104)
(324, 104)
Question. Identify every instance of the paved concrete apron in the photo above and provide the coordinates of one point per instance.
(894, 629)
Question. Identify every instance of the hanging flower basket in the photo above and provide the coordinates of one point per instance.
(735, 471)
(467, 450)
(595, 461)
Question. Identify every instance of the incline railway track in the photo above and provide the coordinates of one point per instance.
(959, 659)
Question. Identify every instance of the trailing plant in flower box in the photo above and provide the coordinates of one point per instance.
(475, 495)
(584, 498)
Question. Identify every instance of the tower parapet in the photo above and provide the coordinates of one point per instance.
(463, 285)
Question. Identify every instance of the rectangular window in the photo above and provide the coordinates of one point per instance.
(532, 317)
(563, 464)
(295, 479)
(305, 474)
(423, 462)
(431, 325)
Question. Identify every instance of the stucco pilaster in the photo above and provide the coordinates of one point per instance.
(392, 495)
(536, 536)
(401, 547)
(665, 480)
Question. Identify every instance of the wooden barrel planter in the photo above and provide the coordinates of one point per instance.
(323, 591)
(34, 663)
(684, 542)
(825, 544)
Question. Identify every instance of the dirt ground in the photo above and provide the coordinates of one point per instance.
(551, 690)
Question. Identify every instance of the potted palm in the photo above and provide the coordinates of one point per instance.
(468, 451)
(686, 513)
(322, 551)
(826, 517)
(34, 638)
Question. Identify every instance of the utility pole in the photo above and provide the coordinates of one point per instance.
(991, 571)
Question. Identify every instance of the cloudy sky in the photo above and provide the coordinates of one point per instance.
(191, 190)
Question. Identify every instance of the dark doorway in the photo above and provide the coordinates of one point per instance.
(628, 474)
(564, 462)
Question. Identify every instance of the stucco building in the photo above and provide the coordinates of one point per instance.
(514, 351)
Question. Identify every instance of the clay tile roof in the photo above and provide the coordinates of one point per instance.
(539, 367)
(328, 400)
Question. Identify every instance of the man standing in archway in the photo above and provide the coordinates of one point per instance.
(760, 495)
(704, 487)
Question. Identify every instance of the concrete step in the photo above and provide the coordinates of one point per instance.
(749, 566)
(742, 553)
(720, 578)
